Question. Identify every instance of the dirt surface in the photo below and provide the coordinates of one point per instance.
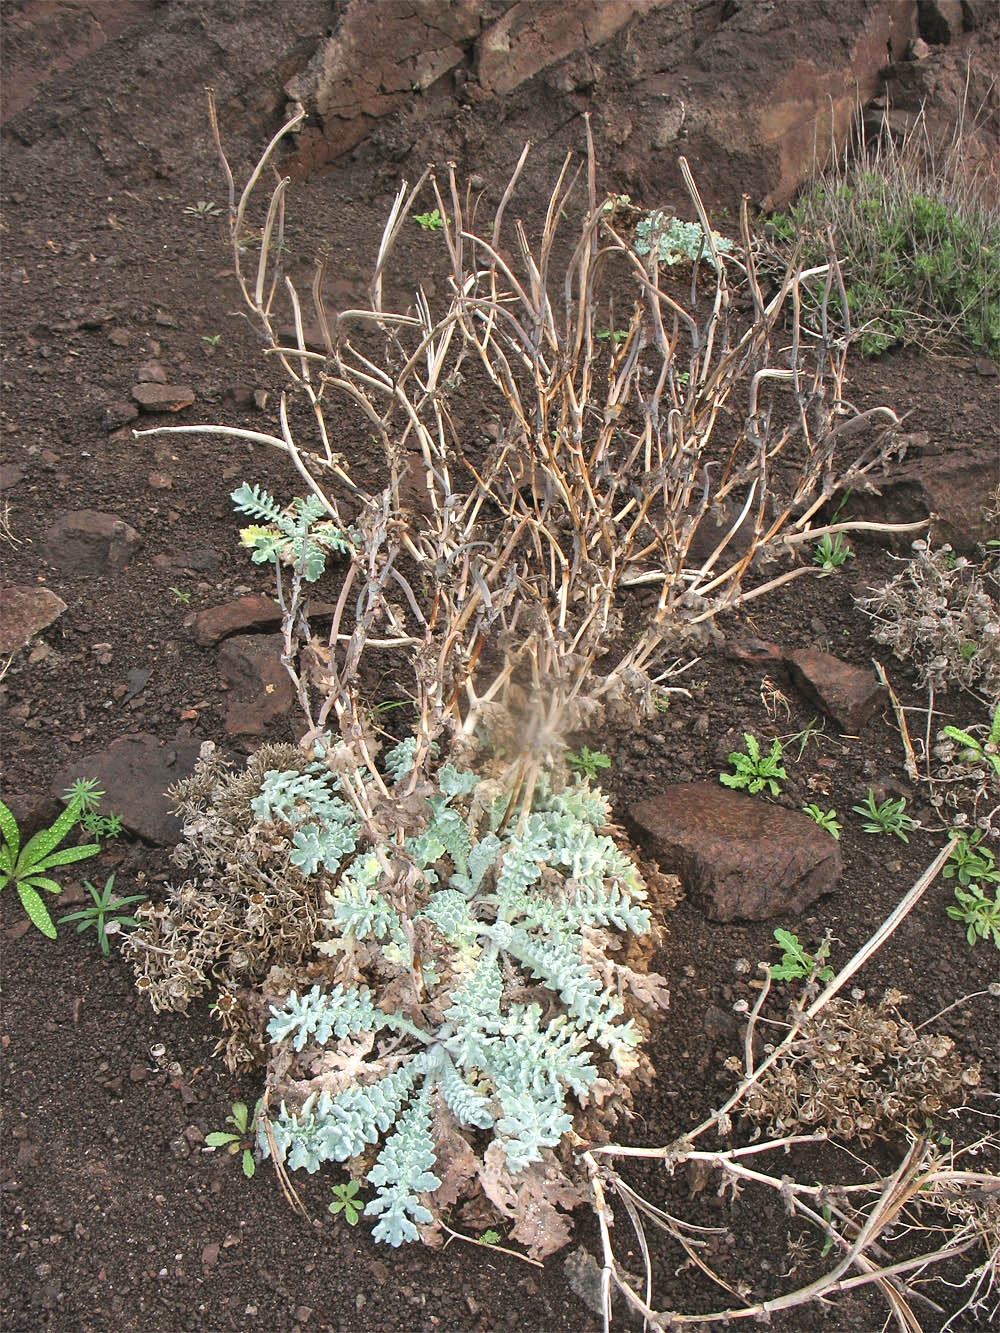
(114, 1216)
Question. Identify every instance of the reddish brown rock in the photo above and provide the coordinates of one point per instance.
(848, 694)
(740, 857)
(250, 665)
(220, 622)
(26, 611)
(162, 397)
(151, 372)
(88, 542)
(134, 772)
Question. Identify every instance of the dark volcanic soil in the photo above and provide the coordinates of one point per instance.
(114, 1216)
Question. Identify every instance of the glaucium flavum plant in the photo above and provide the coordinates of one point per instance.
(440, 952)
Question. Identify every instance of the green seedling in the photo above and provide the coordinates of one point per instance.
(975, 868)
(978, 912)
(105, 914)
(213, 339)
(490, 1237)
(826, 819)
(975, 751)
(236, 1142)
(615, 336)
(26, 867)
(184, 597)
(432, 221)
(810, 731)
(587, 761)
(827, 1213)
(346, 1202)
(831, 553)
(971, 862)
(796, 963)
(887, 817)
(755, 771)
(102, 826)
(204, 208)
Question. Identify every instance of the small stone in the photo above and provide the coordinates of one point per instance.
(260, 399)
(164, 320)
(162, 397)
(117, 415)
(119, 337)
(137, 1073)
(151, 372)
(986, 367)
(87, 542)
(210, 1254)
(27, 611)
(219, 622)
(754, 652)
(160, 481)
(848, 694)
(10, 475)
(918, 49)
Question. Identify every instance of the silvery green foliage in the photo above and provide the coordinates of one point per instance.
(941, 613)
(398, 761)
(298, 535)
(676, 241)
(325, 830)
(500, 910)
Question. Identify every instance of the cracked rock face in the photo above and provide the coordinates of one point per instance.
(739, 857)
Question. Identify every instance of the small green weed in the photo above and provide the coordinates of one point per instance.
(213, 339)
(615, 336)
(102, 826)
(587, 761)
(831, 553)
(347, 1203)
(824, 818)
(971, 862)
(886, 817)
(974, 865)
(25, 867)
(490, 1237)
(432, 221)
(796, 963)
(979, 913)
(204, 208)
(809, 732)
(755, 771)
(184, 597)
(236, 1142)
(105, 914)
(976, 751)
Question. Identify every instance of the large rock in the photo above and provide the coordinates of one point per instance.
(134, 773)
(250, 666)
(88, 542)
(748, 93)
(740, 857)
(26, 611)
(955, 487)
